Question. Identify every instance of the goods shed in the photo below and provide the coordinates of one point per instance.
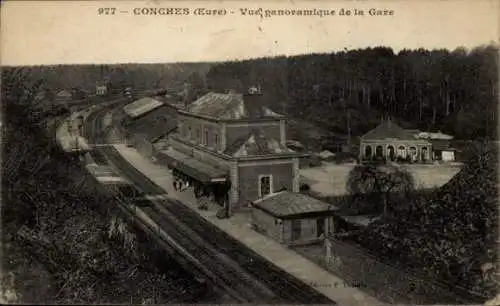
(293, 218)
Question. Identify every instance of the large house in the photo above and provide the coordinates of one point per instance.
(233, 147)
(389, 141)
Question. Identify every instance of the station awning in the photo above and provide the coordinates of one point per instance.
(192, 167)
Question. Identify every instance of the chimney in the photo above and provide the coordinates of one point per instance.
(253, 100)
(185, 94)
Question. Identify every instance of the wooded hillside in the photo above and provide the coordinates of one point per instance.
(454, 91)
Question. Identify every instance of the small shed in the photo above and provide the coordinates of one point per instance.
(442, 150)
(292, 218)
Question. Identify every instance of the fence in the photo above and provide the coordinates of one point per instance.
(384, 281)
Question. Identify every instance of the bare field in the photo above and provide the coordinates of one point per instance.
(330, 179)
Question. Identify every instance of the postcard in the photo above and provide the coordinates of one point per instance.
(257, 152)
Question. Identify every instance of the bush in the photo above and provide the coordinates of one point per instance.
(310, 161)
(222, 213)
(449, 233)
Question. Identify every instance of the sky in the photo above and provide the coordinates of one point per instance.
(73, 32)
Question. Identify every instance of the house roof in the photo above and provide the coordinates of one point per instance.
(230, 106)
(141, 106)
(256, 143)
(283, 204)
(434, 136)
(63, 93)
(389, 129)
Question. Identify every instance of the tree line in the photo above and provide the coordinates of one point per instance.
(453, 91)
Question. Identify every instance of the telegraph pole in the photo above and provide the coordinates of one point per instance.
(349, 129)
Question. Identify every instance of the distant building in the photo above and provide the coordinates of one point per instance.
(441, 145)
(292, 218)
(389, 141)
(63, 96)
(102, 88)
(146, 121)
(78, 94)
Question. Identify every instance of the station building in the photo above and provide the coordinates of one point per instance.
(234, 147)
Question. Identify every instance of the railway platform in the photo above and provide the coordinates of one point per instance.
(238, 227)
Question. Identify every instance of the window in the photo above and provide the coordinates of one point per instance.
(205, 141)
(265, 185)
(296, 229)
(198, 135)
(216, 140)
(320, 227)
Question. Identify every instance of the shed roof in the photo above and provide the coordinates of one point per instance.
(63, 93)
(285, 203)
(440, 144)
(141, 106)
(152, 130)
(159, 122)
(361, 220)
(230, 106)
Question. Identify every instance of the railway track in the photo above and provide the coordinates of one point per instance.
(288, 288)
(224, 273)
(248, 275)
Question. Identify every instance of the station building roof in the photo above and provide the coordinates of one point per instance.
(231, 106)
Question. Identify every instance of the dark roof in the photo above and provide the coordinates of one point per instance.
(152, 129)
(440, 144)
(230, 106)
(287, 203)
(389, 129)
(256, 143)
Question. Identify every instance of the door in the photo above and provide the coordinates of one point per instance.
(264, 185)
(320, 227)
(296, 229)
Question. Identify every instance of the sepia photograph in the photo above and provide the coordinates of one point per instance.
(250, 152)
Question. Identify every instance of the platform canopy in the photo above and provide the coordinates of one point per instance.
(198, 170)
